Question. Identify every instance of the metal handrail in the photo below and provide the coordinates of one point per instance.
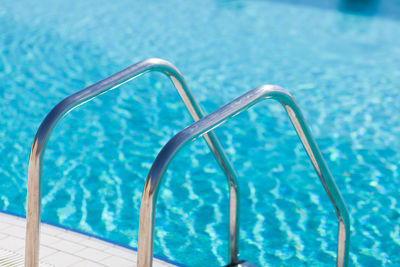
(213, 120)
(62, 108)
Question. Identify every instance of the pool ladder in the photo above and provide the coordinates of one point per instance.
(203, 126)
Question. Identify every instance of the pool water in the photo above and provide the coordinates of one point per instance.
(341, 65)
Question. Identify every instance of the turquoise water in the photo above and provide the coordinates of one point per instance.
(342, 67)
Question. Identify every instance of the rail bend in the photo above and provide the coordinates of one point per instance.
(213, 120)
(62, 108)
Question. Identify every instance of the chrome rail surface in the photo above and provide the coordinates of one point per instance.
(213, 120)
(62, 108)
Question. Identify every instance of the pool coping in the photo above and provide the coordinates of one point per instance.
(161, 260)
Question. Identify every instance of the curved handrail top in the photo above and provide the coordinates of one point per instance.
(213, 120)
(103, 86)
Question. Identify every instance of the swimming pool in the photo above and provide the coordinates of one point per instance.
(341, 67)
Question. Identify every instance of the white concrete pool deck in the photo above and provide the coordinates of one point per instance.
(60, 247)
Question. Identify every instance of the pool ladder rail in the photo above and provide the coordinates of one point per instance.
(212, 121)
(202, 127)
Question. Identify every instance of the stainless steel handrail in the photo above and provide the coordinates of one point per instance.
(62, 108)
(213, 120)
